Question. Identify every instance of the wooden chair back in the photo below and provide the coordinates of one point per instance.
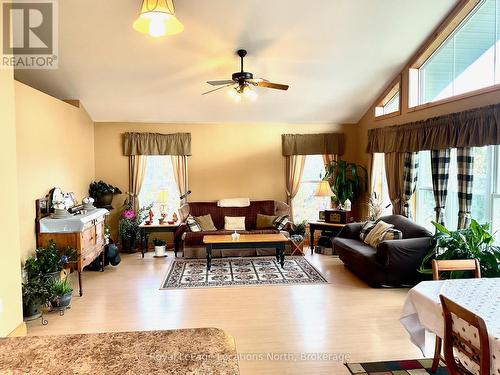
(466, 348)
(439, 266)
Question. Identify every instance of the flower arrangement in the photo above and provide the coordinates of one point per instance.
(129, 224)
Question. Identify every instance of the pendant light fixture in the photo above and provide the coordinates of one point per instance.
(158, 19)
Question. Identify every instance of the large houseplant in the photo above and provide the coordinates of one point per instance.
(347, 180)
(103, 192)
(473, 242)
(129, 225)
(35, 290)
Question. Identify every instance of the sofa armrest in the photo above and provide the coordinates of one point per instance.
(183, 227)
(405, 253)
(351, 230)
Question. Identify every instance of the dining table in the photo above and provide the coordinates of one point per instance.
(422, 314)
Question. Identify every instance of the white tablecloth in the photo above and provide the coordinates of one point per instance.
(422, 309)
(72, 224)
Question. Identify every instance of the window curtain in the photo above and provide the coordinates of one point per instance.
(137, 171)
(293, 171)
(180, 166)
(465, 178)
(440, 166)
(410, 180)
(313, 144)
(394, 170)
(157, 144)
(329, 158)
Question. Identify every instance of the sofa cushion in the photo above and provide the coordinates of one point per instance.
(205, 222)
(408, 227)
(392, 234)
(265, 221)
(367, 227)
(193, 224)
(234, 223)
(281, 222)
(376, 234)
(196, 238)
(355, 246)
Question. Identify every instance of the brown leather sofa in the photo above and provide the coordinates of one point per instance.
(191, 243)
(392, 263)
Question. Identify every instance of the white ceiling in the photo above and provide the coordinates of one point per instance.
(336, 55)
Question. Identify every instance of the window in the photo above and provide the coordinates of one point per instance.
(390, 104)
(159, 186)
(306, 205)
(465, 61)
(486, 190)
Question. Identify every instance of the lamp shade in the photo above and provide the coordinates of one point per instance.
(324, 189)
(158, 18)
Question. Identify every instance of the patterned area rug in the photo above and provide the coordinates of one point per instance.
(192, 273)
(405, 367)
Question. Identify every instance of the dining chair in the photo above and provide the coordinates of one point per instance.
(464, 356)
(439, 266)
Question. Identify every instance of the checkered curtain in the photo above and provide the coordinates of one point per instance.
(465, 178)
(440, 165)
(410, 174)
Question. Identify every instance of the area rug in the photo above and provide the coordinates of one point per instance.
(185, 351)
(404, 367)
(225, 272)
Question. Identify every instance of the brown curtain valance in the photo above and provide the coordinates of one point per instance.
(473, 128)
(178, 144)
(313, 144)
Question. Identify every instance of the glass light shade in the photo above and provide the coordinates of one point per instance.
(249, 93)
(324, 189)
(234, 94)
(158, 20)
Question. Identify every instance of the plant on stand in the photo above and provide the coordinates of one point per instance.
(160, 247)
(49, 260)
(347, 180)
(35, 289)
(129, 225)
(103, 193)
(61, 292)
(475, 242)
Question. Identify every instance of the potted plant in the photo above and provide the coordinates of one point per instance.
(473, 242)
(49, 261)
(103, 193)
(160, 247)
(34, 289)
(61, 292)
(128, 227)
(347, 180)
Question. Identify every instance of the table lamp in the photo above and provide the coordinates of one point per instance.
(324, 189)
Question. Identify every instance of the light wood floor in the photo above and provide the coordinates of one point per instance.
(343, 317)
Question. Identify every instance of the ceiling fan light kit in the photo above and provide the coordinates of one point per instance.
(157, 18)
(241, 83)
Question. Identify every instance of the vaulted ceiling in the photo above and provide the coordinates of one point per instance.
(336, 55)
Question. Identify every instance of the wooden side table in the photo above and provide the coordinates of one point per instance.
(322, 225)
(155, 227)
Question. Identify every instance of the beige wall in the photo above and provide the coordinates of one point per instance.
(229, 160)
(55, 147)
(10, 265)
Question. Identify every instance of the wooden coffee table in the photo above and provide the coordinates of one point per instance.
(274, 241)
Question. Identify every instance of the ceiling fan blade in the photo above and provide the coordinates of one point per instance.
(218, 88)
(255, 81)
(222, 82)
(271, 85)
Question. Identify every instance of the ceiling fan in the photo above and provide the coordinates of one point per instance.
(242, 83)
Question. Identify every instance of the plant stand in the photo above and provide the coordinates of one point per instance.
(297, 246)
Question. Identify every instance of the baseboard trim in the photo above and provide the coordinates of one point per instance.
(21, 330)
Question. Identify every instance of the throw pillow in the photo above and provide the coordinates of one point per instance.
(367, 227)
(281, 222)
(373, 238)
(234, 223)
(265, 221)
(205, 222)
(392, 234)
(193, 224)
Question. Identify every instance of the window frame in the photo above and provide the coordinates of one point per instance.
(441, 35)
(393, 90)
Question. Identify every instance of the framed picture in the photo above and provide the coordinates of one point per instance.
(321, 216)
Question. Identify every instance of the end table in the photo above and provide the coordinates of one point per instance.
(155, 227)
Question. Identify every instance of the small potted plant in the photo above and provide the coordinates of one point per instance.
(103, 193)
(34, 290)
(160, 247)
(61, 292)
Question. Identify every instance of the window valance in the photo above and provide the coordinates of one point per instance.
(472, 128)
(313, 144)
(178, 144)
